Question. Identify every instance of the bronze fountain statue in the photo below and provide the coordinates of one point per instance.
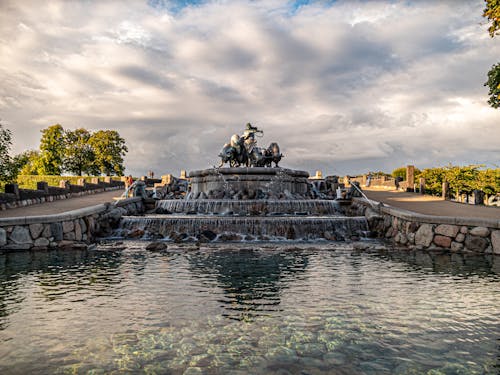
(243, 150)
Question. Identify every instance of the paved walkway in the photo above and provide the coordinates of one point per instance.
(63, 205)
(430, 205)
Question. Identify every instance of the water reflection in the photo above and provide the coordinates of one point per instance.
(266, 309)
(444, 263)
(252, 279)
(55, 274)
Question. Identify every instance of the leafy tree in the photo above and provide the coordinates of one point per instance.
(489, 181)
(492, 13)
(434, 178)
(494, 84)
(109, 150)
(5, 160)
(27, 163)
(462, 179)
(78, 157)
(401, 172)
(52, 150)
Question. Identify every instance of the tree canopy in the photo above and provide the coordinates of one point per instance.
(5, 161)
(52, 150)
(492, 13)
(462, 179)
(109, 149)
(78, 152)
(78, 156)
(27, 163)
(494, 84)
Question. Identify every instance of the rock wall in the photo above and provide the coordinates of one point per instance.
(417, 231)
(70, 229)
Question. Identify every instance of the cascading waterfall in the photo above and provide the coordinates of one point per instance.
(291, 228)
(251, 207)
(288, 211)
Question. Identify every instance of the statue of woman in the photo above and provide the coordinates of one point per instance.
(249, 136)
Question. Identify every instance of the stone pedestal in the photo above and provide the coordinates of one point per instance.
(410, 177)
(478, 197)
(269, 180)
(422, 185)
(43, 186)
(12, 189)
(445, 190)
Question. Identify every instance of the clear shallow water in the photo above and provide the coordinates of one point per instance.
(260, 309)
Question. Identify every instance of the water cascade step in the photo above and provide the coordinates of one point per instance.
(192, 227)
(251, 207)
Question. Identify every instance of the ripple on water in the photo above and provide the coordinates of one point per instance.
(271, 309)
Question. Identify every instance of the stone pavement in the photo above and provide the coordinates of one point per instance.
(430, 205)
(59, 206)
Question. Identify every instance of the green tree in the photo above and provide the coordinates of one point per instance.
(401, 172)
(489, 181)
(52, 150)
(494, 84)
(27, 163)
(109, 150)
(5, 160)
(462, 180)
(78, 157)
(492, 13)
(434, 178)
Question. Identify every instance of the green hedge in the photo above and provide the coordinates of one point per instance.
(30, 181)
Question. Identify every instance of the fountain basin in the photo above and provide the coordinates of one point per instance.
(249, 181)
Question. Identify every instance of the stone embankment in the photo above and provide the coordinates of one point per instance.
(76, 228)
(428, 232)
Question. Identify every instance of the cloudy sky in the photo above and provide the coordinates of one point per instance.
(342, 86)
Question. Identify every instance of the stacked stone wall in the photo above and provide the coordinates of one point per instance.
(71, 229)
(426, 232)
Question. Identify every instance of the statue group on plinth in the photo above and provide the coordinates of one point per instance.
(243, 150)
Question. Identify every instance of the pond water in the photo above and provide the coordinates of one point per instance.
(239, 309)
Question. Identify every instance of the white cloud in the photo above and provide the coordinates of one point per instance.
(346, 88)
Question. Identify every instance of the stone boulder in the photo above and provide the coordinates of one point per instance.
(329, 236)
(21, 235)
(56, 231)
(36, 229)
(68, 226)
(42, 242)
(480, 232)
(156, 246)
(424, 235)
(442, 241)
(456, 246)
(447, 230)
(3, 237)
(230, 237)
(475, 243)
(495, 241)
(460, 237)
(207, 236)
